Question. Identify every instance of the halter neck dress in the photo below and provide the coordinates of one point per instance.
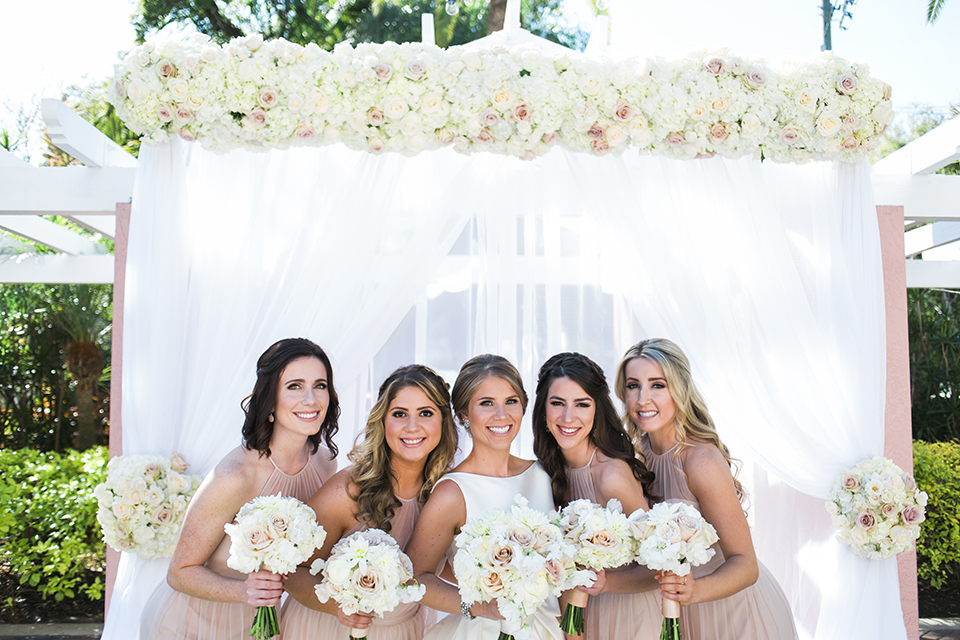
(172, 615)
(482, 494)
(759, 612)
(614, 616)
(405, 622)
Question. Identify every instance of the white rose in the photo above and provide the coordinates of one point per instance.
(247, 70)
(828, 124)
(394, 107)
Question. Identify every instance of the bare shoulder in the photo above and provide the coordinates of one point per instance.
(333, 493)
(446, 494)
(705, 467)
(614, 478)
(236, 473)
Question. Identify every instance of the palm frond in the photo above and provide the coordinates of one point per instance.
(933, 10)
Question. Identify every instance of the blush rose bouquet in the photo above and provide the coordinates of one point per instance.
(672, 537)
(877, 508)
(367, 572)
(602, 539)
(518, 558)
(141, 504)
(276, 533)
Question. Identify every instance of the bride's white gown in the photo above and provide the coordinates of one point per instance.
(483, 494)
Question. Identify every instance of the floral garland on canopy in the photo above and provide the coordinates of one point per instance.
(412, 97)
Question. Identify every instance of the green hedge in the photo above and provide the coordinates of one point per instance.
(48, 524)
(936, 466)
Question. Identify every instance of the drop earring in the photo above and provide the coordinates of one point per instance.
(270, 418)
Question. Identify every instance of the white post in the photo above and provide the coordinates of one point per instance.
(511, 21)
(427, 35)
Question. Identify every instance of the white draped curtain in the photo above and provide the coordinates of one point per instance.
(768, 276)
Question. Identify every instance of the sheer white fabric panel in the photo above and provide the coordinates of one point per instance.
(768, 277)
(230, 253)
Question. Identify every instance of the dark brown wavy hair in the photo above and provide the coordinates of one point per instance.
(607, 433)
(371, 472)
(257, 428)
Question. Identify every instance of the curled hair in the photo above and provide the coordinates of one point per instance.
(693, 419)
(477, 369)
(371, 473)
(257, 428)
(607, 433)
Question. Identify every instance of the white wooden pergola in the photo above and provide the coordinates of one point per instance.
(90, 196)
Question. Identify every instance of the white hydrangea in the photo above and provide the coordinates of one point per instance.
(672, 537)
(876, 506)
(141, 504)
(519, 558)
(367, 572)
(413, 97)
(276, 533)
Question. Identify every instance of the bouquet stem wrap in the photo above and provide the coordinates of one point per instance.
(358, 633)
(572, 621)
(265, 624)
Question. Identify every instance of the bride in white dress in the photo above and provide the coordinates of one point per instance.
(489, 400)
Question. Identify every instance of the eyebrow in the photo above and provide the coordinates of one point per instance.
(303, 380)
(513, 397)
(585, 399)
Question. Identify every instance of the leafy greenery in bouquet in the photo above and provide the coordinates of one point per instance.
(49, 536)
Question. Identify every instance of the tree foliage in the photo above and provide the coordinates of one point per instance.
(934, 325)
(39, 403)
(328, 22)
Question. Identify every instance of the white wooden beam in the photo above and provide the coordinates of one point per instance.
(927, 237)
(933, 274)
(599, 36)
(50, 234)
(57, 269)
(104, 225)
(79, 138)
(10, 161)
(924, 198)
(64, 190)
(931, 151)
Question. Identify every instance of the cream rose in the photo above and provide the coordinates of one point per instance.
(866, 520)
(714, 65)
(375, 145)
(828, 124)
(675, 139)
(369, 581)
(484, 137)
(719, 104)
(596, 132)
(257, 118)
(790, 135)
(616, 136)
(491, 584)
(165, 69)
(394, 107)
(383, 71)
(375, 117)
(247, 70)
(257, 538)
(718, 132)
(415, 69)
(184, 114)
(305, 132)
(523, 536)
(850, 482)
(162, 516)
(522, 112)
(912, 515)
(177, 461)
(267, 98)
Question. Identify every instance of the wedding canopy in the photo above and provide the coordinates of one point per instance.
(768, 275)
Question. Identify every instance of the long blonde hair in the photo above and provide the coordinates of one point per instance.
(693, 419)
(371, 473)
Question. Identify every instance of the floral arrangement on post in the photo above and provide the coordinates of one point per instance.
(877, 508)
(602, 538)
(276, 533)
(142, 502)
(520, 559)
(367, 572)
(672, 537)
(413, 97)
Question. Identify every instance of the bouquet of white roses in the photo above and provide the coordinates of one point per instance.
(276, 533)
(367, 572)
(518, 558)
(672, 537)
(877, 508)
(602, 539)
(142, 502)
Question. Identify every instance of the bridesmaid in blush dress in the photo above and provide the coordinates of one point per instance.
(489, 400)
(579, 440)
(293, 408)
(733, 596)
(409, 442)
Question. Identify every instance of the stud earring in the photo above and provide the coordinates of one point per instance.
(466, 424)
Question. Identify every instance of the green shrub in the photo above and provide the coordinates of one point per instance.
(936, 466)
(48, 523)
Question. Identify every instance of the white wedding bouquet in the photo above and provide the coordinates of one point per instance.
(142, 502)
(602, 539)
(877, 508)
(367, 572)
(519, 558)
(276, 533)
(672, 537)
